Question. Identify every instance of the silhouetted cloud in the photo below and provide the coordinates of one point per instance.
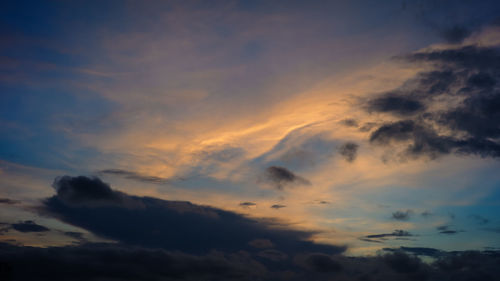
(29, 226)
(394, 103)
(121, 262)
(134, 176)
(281, 177)
(349, 151)
(395, 233)
(429, 124)
(173, 225)
(8, 201)
(247, 204)
(278, 206)
(402, 215)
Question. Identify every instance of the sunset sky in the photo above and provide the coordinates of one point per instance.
(354, 127)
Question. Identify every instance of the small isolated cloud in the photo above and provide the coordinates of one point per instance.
(247, 204)
(278, 206)
(349, 151)
(378, 238)
(29, 226)
(402, 215)
(446, 229)
(281, 177)
(261, 243)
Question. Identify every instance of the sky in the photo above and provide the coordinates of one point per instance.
(250, 140)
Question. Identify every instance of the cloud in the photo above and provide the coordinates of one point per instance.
(349, 151)
(321, 263)
(378, 237)
(281, 177)
(29, 226)
(8, 201)
(134, 176)
(450, 109)
(278, 206)
(174, 225)
(121, 262)
(445, 229)
(247, 204)
(402, 215)
(350, 122)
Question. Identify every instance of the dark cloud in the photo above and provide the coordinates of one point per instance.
(247, 204)
(394, 103)
(134, 176)
(429, 124)
(8, 201)
(455, 34)
(29, 226)
(173, 225)
(120, 262)
(402, 215)
(395, 233)
(278, 206)
(445, 229)
(81, 189)
(349, 151)
(281, 177)
(321, 263)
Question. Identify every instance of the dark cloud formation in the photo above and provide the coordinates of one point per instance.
(29, 226)
(453, 108)
(173, 225)
(120, 262)
(278, 206)
(281, 177)
(349, 151)
(8, 201)
(134, 176)
(426, 214)
(378, 238)
(402, 215)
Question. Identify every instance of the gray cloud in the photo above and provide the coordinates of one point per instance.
(281, 177)
(29, 226)
(402, 215)
(349, 151)
(468, 75)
